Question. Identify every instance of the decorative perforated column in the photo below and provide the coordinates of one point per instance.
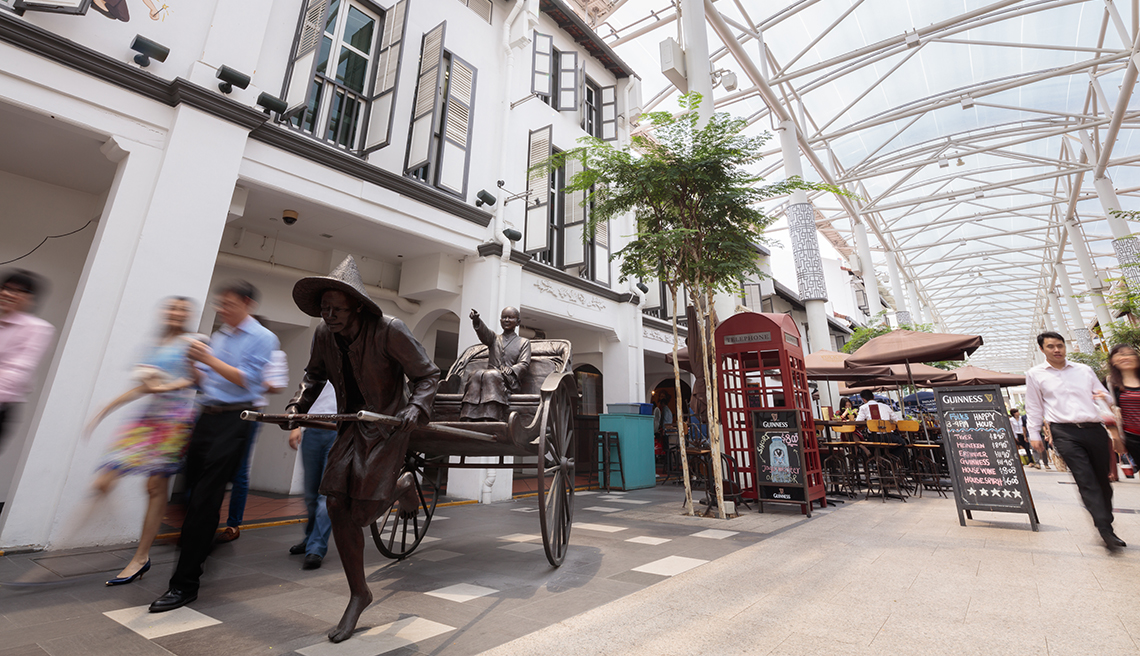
(805, 249)
(1081, 335)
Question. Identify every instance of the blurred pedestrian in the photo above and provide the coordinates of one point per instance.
(23, 340)
(231, 381)
(154, 443)
(1064, 396)
(276, 378)
(315, 444)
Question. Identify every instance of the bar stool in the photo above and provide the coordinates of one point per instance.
(610, 445)
(887, 468)
(838, 469)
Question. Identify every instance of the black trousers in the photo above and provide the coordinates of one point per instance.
(1086, 450)
(217, 445)
(6, 417)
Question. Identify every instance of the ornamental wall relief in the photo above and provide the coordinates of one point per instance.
(570, 295)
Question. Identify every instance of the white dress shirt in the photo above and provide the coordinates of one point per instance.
(885, 412)
(23, 340)
(1060, 396)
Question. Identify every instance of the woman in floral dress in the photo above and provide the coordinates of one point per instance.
(154, 443)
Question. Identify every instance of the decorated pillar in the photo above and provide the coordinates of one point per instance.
(902, 315)
(867, 266)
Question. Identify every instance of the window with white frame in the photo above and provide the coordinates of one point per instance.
(343, 77)
(559, 81)
(439, 152)
(557, 219)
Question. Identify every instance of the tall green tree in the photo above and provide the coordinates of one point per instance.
(695, 205)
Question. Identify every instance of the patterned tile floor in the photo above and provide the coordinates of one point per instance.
(482, 581)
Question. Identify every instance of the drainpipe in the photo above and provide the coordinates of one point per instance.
(500, 285)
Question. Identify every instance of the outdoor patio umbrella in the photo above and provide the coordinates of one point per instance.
(682, 359)
(906, 346)
(829, 365)
(903, 373)
(977, 376)
(901, 346)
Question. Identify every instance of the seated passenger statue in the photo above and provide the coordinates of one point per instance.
(486, 396)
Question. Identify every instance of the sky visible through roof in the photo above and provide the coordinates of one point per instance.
(962, 140)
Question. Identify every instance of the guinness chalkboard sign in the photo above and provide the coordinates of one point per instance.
(982, 453)
(779, 456)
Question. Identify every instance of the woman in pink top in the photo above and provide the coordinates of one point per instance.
(1124, 383)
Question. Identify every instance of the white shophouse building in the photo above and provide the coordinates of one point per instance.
(402, 120)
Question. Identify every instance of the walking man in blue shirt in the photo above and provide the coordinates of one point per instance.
(230, 378)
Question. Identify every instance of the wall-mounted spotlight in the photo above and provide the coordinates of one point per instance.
(643, 287)
(512, 234)
(231, 78)
(271, 103)
(484, 197)
(148, 50)
(724, 78)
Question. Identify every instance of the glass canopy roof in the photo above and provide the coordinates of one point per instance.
(959, 126)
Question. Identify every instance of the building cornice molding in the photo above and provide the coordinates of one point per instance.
(570, 280)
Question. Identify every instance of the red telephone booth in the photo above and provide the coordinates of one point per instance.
(765, 409)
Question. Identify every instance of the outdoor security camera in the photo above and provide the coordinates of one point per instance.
(231, 78)
(148, 50)
(484, 197)
(289, 217)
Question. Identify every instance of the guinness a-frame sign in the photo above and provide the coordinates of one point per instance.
(982, 453)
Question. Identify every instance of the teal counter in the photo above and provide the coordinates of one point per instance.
(635, 434)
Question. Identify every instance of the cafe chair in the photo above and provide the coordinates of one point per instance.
(885, 471)
(610, 462)
(731, 481)
(910, 429)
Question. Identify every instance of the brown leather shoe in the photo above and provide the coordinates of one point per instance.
(228, 534)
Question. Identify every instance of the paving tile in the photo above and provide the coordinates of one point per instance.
(462, 592)
(602, 509)
(670, 566)
(155, 625)
(24, 650)
(382, 639)
(603, 528)
(714, 534)
(522, 547)
(645, 539)
(521, 537)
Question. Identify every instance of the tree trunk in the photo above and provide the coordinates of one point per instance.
(678, 415)
(713, 387)
(708, 350)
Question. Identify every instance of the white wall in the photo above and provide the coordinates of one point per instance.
(30, 211)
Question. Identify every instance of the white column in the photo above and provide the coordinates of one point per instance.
(1088, 272)
(158, 237)
(870, 282)
(1081, 335)
(912, 301)
(902, 315)
(698, 67)
(1127, 247)
(1049, 322)
(1058, 317)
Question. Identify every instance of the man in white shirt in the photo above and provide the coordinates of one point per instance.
(886, 413)
(23, 340)
(1064, 394)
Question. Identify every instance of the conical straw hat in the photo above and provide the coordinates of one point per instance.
(345, 278)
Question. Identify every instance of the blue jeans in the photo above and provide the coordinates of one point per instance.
(315, 445)
(239, 489)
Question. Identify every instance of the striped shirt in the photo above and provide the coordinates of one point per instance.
(1128, 399)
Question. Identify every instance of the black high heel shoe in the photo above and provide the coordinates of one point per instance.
(123, 580)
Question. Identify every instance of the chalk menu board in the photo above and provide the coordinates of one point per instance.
(779, 456)
(982, 453)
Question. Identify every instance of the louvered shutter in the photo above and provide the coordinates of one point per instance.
(582, 95)
(457, 120)
(379, 128)
(301, 71)
(609, 113)
(567, 81)
(602, 253)
(573, 221)
(538, 193)
(542, 61)
(420, 141)
(481, 7)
